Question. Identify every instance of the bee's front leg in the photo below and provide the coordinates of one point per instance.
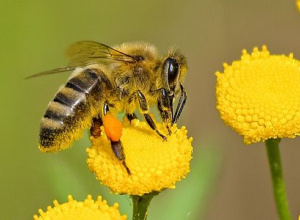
(180, 105)
(165, 107)
(145, 111)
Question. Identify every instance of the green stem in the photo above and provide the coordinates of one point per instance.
(140, 206)
(272, 146)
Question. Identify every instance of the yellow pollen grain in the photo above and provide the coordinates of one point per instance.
(259, 95)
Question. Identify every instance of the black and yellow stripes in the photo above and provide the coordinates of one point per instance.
(71, 110)
(132, 76)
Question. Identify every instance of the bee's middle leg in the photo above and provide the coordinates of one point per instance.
(130, 117)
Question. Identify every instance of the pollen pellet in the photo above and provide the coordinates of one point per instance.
(113, 127)
(124, 77)
(155, 165)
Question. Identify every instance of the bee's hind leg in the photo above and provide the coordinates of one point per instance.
(116, 146)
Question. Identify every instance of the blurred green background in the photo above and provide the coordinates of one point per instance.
(228, 179)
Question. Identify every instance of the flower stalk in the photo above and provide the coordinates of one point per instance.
(141, 205)
(272, 146)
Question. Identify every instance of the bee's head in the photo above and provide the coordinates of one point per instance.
(174, 70)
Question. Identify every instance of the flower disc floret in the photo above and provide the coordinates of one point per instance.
(77, 210)
(154, 164)
(259, 95)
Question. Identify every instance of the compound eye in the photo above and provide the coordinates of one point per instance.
(171, 68)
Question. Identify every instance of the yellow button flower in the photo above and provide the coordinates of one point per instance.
(86, 210)
(259, 95)
(154, 164)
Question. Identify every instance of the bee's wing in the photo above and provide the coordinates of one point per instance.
(48, 72)
(84, 53)
(88, 52)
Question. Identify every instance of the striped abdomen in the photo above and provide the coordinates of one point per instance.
(72, 109)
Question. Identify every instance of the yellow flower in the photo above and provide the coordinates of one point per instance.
(154, 164)
(86, 210)
(259, 95)
(298, 4)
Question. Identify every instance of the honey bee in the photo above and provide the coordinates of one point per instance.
(124, 78)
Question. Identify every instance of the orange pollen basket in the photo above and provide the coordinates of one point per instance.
(113, 127)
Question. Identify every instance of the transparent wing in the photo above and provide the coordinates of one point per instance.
(48, 72)
(88, 52)
(84, 53)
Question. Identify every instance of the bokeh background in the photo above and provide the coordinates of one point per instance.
(228, 179)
